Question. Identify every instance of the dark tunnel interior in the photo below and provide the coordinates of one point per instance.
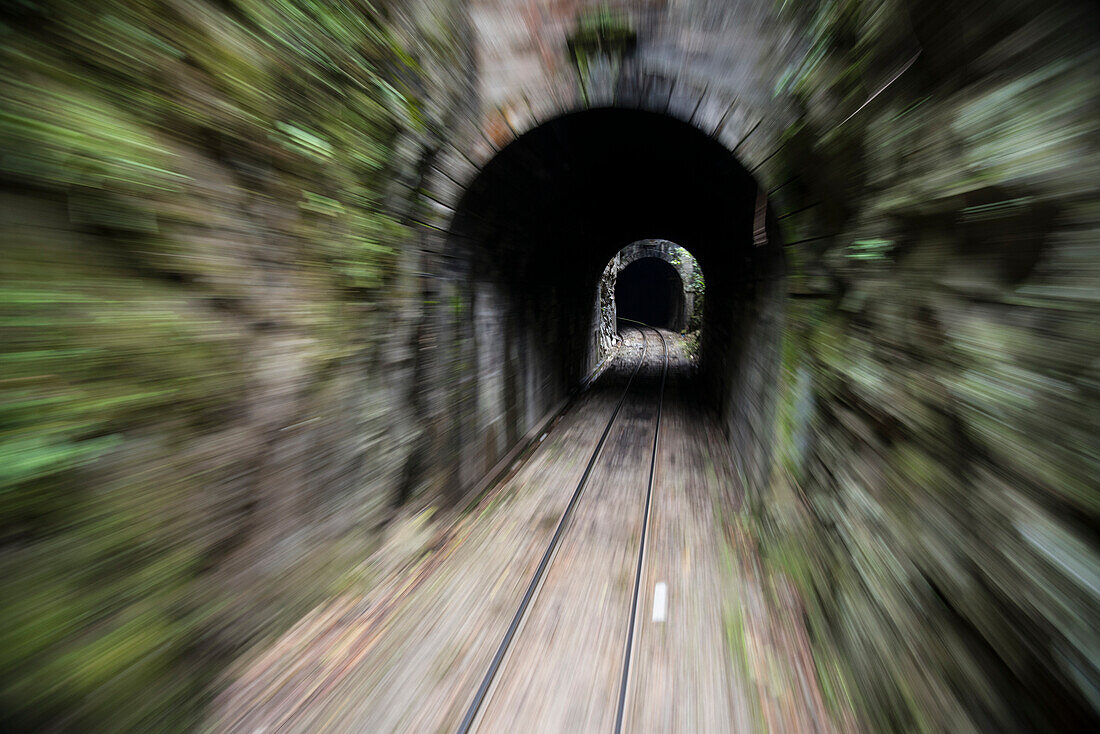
(534, 230)
(650, 290)
(578, 188)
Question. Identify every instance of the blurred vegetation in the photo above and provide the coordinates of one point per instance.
(601, 31)
(698, 287)
(602, 36)
(934, 494)
(163, 164)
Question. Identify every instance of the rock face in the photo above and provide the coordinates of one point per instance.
(243, 324)
(216, 321)
(932, 483)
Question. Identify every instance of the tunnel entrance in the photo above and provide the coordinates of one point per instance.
(655, 281)
(526, 292)
(650, 290)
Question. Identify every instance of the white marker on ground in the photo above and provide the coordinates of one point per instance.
(660, 601)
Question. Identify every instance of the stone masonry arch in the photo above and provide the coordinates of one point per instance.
(680, 259)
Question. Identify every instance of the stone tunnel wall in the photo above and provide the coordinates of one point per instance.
(254, 350)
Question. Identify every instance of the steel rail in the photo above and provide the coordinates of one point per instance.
(619, 715)
(475, 705)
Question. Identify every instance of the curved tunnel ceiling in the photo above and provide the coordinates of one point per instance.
(578, 188)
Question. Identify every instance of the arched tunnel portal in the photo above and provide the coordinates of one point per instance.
(535, 228)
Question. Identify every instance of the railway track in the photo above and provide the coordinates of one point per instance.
(473, 711)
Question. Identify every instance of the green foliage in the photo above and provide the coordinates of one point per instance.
(602, 29)
(691, 344)
(918, 430)
(95, 363)
(873, 249)
(600, 32)
(186, 167)
(835, 29)
(698, 287)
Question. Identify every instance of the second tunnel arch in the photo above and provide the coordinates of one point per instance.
(679, 307)
(534, 230)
